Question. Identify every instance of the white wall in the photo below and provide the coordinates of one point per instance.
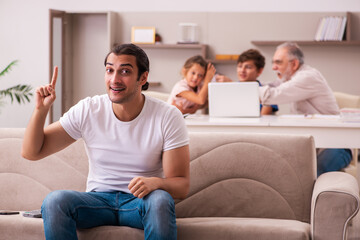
(25, 32)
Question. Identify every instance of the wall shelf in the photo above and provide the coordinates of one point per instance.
(201, 47)
(347, 42)
(219, 61)
(309, 43)
(154, 84)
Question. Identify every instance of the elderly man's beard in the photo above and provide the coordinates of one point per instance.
(286, 76)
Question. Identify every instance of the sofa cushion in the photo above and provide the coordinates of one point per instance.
(19, 227)
(241, 228)
(111, 233)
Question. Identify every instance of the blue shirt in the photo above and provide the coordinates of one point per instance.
(274, 107)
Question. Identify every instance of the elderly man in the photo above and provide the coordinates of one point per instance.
(307, 92)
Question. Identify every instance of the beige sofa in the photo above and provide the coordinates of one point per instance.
(243, 186)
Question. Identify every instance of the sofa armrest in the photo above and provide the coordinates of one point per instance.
(335, 202)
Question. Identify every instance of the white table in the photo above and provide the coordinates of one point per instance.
(328, 131)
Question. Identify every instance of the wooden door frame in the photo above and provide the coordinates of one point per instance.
(57, 14)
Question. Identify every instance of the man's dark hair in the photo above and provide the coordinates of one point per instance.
(254, 55)
(142, 60)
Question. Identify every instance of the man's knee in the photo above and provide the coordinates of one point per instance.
(59, 199)
(159, 201)
(159, 196)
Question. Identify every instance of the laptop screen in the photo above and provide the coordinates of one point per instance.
(234, 99)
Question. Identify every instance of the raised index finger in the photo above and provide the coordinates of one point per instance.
(54, 77)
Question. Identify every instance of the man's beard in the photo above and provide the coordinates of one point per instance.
(286, 76)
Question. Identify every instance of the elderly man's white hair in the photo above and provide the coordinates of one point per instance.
(294, 51)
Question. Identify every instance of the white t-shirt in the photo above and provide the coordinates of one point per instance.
(119, 151)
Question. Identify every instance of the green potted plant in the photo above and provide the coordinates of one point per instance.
(20, 92)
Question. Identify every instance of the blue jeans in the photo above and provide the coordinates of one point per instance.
(333, 159)
(63, 211)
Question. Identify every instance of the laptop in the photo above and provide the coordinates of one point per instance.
(234, 99)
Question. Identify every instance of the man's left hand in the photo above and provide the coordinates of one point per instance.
(142, 186)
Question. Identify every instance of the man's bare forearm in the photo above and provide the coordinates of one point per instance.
(34, 135)
(177, 187)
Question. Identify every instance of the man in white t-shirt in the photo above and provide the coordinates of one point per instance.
(137, 148)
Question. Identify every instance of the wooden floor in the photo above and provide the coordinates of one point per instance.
(354, 230)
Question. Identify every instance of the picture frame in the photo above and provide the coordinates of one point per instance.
(143, 35)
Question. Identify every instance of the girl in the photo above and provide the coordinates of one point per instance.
(191, 93)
